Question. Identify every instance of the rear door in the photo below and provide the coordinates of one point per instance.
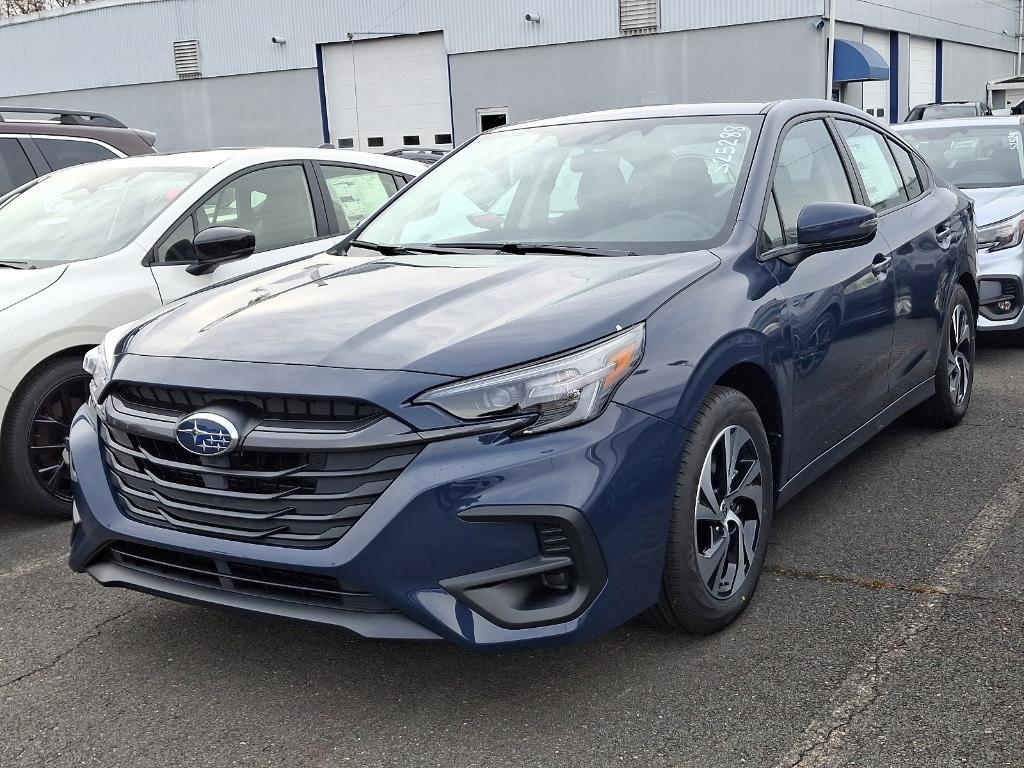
(279, 202)
(922, 236)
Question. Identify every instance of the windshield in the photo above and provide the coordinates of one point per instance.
(979, 156)
(944, 112)
(87, 211)
(651, 185)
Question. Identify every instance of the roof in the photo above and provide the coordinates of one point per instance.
(690, 110)
(957, 122)
(211, 158)
(634, 113)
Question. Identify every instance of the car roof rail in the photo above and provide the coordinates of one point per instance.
(65, 116)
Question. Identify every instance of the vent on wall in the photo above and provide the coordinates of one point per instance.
(638, 17)
(186, 59)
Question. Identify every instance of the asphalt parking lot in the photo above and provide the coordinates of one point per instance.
(889, 631)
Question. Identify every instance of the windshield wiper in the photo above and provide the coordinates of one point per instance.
(382, 248)
(17, 265)
(524, 248)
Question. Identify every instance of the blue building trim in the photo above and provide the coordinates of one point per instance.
(894, 77)
(938, 70)
(321, 85)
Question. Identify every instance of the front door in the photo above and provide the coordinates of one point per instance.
(839, 319)
(273, 202)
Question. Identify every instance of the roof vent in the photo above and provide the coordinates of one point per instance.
(638, 17)
(186, 59)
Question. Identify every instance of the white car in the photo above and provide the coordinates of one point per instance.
(89, 248)
(984, 158)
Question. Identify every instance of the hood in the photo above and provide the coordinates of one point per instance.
(992, 204)
(19, 284)
(452, 315)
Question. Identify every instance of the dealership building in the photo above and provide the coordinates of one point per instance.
(384, 74)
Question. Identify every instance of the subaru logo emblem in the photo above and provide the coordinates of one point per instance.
(206, 434)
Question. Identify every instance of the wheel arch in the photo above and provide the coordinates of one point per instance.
(749, 363)
(77, 350)
(970, 285)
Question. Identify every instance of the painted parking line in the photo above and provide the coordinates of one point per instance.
(824, 741)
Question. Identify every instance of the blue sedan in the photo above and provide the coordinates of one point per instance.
(564, 378)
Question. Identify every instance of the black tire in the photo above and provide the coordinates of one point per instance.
(686, 602)
(946, 408)
(24, 424)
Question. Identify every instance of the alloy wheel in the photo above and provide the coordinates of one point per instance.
(51, 425)
(730, 502)
(958, 362)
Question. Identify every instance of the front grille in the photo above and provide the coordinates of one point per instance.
(286, 498)
(256, 580)
(185, 401)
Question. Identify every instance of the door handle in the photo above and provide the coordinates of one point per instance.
(944, 234)
(881, 266)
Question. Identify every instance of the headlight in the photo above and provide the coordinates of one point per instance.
(99, 361)
(1003, 234)
(561, 392)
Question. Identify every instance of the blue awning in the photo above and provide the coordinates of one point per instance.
(855, 62)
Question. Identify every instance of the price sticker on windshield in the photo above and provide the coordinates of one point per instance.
(730, 141)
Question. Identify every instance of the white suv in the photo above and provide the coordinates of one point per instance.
(86, 249)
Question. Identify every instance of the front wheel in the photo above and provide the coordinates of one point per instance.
(954, 374)
(721, 517)
(38, 421)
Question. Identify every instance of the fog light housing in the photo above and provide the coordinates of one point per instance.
(1000, 297)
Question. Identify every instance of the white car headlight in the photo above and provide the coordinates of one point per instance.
(1003, 234)
(99, 361)
(567, 390)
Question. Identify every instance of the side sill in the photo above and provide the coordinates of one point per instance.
(854, 440)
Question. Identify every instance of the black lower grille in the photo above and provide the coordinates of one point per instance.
(244, 578)
(274, 408)
(296, 499)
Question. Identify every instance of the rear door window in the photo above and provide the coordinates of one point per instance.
(356, 192)
(882, 180)
(14, 166)
(63, 153)
(908, 172)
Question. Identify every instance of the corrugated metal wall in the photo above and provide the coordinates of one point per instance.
(121, 43)
(116, 43)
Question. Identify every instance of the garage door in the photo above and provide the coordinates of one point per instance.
(876, 92)
(922, 71)
(388, 93)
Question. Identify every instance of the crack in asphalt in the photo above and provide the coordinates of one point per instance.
(822, 742)
(91, 634)
(882, 584)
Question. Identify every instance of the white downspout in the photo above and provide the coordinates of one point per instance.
(1020, 35)
(832, 46)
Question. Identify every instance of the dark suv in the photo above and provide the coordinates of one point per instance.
(35, 141)
(945, 110)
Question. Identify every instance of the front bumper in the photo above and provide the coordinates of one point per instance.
(453, 549)
(1001, 278)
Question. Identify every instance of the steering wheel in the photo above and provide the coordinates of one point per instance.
(704, 227)
(727, 171)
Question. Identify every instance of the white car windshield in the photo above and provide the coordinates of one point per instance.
(87, 211)
(979, 156)
(650, 185)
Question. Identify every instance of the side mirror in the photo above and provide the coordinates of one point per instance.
(828, 227)
(832, 226)
(219, 245)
